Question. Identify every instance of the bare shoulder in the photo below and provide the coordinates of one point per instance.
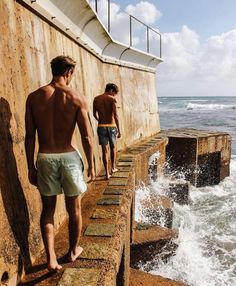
(40, 91)
(112, 99)
(97, 98)
(76, 98)
(31, 97)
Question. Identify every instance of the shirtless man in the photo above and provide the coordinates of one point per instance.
(105, 112)
(53, 111)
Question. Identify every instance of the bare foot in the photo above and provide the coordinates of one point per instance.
(108, 176)
(73, 255)
(114, 170)
(54, 266)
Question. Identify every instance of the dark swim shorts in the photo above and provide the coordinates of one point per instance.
(107, 135)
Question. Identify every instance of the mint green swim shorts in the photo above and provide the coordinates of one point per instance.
(60, 172)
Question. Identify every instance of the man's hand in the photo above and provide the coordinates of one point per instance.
(118, 134)
(32, 175)
(91, 174)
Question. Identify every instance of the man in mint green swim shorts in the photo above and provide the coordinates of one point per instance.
(53, 111)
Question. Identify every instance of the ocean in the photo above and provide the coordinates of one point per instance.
(206, 253)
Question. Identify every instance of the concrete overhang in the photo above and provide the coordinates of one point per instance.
(78, 20)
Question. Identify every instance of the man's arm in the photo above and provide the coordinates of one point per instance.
(95, 115)
(30, 142)
(86, 135)
(115, 114)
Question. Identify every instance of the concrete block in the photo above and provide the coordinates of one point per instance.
(95, 251)
(198, 154)
(127, 158)
(100, 229)
(149, 243)
(124, 164)
(118, 182)
(125, 169)
(81, 277)
(105, 214)
(109, 201)
(120, 175)
(113, 191)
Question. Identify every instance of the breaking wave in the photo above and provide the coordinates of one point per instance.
(211, 106)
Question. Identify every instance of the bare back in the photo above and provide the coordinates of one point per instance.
(55, 114)
(104, 106)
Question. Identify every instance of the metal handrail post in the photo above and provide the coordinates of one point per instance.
(109, 15)
(160, 47)
(130, 30)
(147, 39)
(96, 5)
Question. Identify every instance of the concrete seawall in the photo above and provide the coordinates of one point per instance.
(28, 43)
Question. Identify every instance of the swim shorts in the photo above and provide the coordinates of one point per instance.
(60, 172)
(107, 134)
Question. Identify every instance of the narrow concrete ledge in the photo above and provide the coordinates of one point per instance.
(108, 215)
(140, 278)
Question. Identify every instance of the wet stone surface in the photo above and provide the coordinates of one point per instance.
(95, 251)
(149, 144)
(113, 191)
(105, 214)
(118, 182)
(82, 277)
(120, 175)
(124, 169)
(109, 201)
(100, 229)
(126, 159)
(123, 164)
(136, 151)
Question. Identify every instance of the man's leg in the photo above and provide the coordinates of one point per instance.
(105, 151)
(113, 159)
(47, 230)
(73, 207)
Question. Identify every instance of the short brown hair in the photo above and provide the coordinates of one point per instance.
(62, 64)
(111, 87)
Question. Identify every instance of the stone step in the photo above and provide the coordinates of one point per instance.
(149, 242)
(141, 278)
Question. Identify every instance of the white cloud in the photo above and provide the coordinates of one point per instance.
(120, 26)
(190, 67)
(195, 68)
(145, 12)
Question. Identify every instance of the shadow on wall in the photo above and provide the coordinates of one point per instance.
(14, 201)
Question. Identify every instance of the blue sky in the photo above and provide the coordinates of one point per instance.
(198, 42)
(206, 17)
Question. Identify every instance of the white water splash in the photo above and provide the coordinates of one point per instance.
(206, 253)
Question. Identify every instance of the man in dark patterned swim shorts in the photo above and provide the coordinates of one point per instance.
(105, 112)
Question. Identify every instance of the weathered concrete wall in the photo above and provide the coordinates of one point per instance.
(27, 45)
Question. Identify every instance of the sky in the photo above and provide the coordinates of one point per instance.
(198, 42)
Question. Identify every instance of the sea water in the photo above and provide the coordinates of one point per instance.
(206, 253)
